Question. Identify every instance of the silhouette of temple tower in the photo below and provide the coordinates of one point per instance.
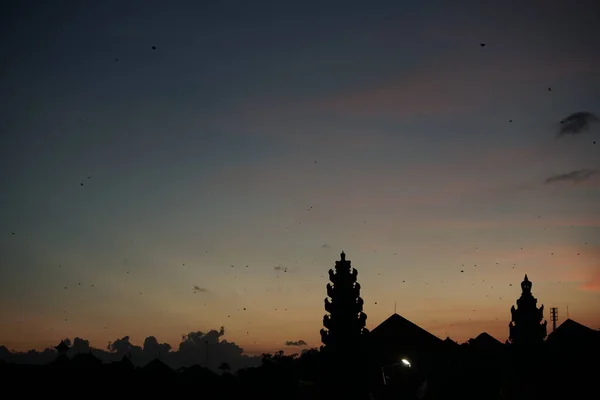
(344, 362)
(345, 321)
(527, 326)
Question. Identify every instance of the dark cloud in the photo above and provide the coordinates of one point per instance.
(154, 349)
(577, 123)
(296, 343)
(123, 346)
(208, 349)
(80, 345)
(573, 176)
(200, 289)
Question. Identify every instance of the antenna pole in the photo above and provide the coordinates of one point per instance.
(554, 317)
(394, 307)
(567, 312)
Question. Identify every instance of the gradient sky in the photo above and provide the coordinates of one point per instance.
(276, 134)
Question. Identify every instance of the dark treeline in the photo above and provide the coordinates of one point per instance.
(478, 369)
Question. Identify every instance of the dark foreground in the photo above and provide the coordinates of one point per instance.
(465, 374)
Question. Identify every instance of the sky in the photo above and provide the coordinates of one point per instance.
(214, 179)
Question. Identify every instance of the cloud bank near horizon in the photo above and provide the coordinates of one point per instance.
(207, 349)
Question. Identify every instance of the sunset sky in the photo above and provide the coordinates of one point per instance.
(264, 137)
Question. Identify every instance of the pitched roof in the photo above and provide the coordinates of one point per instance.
(397, 326)
(158, 366)
(199, 372)
(62, 346)
(486, 338)
(450, 342)
(570, 330)
(485, 341)
(125, 363)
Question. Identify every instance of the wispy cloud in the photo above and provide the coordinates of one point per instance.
(296, 343)
(573, 176)
(577, 123)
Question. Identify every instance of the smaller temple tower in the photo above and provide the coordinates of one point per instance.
(527, 326)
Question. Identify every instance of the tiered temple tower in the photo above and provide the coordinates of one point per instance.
(345, 321)
(345, 359)
(527, 326)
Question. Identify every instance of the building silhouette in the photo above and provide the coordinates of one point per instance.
(345, 320)
(344, 335)
(527, 326)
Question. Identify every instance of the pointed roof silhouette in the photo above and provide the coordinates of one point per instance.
(126, 362)
(450, 342)
(486, 338)
(397, 326)
(198, 372)
(570, 330)
(157, 366)
(62, 347)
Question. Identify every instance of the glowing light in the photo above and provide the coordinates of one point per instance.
(406, 362)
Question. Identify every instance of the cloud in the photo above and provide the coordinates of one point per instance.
(577, 123)
(200, 289)
(592, 284)
(123, 346)
(280, 268)
(208, 349)
(296, 343)
(155, 349)
(573, 176)
(80, 345)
